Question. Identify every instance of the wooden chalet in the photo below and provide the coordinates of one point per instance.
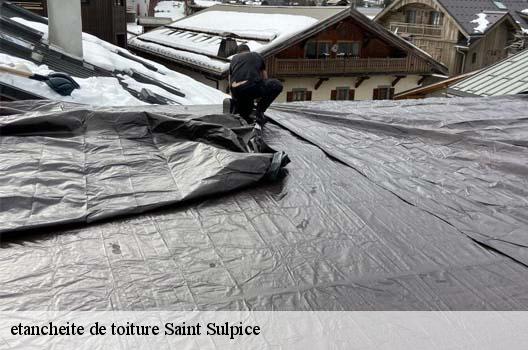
(464, 35)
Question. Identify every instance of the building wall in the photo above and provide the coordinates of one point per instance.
(442, 48)
(105, 19)
(490, 49)
(363, 92)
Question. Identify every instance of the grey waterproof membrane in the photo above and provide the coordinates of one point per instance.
(410, 205)
(81, 164)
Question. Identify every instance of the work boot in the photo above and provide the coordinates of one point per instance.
(260, 118)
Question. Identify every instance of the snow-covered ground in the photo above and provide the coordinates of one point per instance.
(171, 9)
(108, 91)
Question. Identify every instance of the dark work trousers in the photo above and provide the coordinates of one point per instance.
(245, 96)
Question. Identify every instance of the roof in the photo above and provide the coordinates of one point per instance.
(507, 77)
(195, 40)
(422, 91)
(476, 17)
(108, 75)
(387, 205)
(466, 11)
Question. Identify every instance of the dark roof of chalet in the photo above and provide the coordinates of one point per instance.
(326, 17)
(19, 40)
(387, 205)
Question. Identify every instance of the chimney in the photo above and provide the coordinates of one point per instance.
(65, 26)
(228, 47)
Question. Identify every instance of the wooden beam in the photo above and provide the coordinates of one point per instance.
(397, 80)
(361, 80)
(320, 82)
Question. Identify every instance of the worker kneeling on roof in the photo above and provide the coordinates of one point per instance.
(249, 81)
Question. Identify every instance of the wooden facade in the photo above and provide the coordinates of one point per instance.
(105, 19)
(427, 25)
(370, 55)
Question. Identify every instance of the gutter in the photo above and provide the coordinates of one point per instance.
(464, 56)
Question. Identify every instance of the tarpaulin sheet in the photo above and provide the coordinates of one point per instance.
(324, 237)
(464, 161)
(73, 163)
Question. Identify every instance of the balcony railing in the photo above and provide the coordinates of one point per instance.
(425, 30)
(307, 66)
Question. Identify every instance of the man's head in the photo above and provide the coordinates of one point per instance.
(243, 48)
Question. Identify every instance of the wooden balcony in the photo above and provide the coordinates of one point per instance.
(425, 30)
(344, 66)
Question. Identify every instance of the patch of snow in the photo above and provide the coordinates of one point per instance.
(206, 3)
(482, 23)
(172, 9)
(100, 91)
(257, 25)
(105, 55)
(135, 29)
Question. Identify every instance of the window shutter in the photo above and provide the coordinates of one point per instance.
(308, 95)
(391, 94)
(289, 96)
(333, 95)
(351, 94)
(375, 95)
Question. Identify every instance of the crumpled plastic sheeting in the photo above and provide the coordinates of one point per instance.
(64, 163)
(324, 237)
(464, 161)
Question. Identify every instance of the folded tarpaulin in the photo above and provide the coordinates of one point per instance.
(64, 163)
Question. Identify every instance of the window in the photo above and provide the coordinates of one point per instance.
(435, 19)
(383, 93)
(323, 49)
(342, 94)
(500, 5)
(474, 58)
(317, 49)
(311, 49)
(349, 48)
(410, 16)
(299, 94)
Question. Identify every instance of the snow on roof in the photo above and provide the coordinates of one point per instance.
(106, 56)
(206, 3)
(101, 91)
(482, 23)
(196, 38)
(172, 9)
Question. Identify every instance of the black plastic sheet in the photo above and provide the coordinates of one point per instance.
(324, 237)
(66, 163)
